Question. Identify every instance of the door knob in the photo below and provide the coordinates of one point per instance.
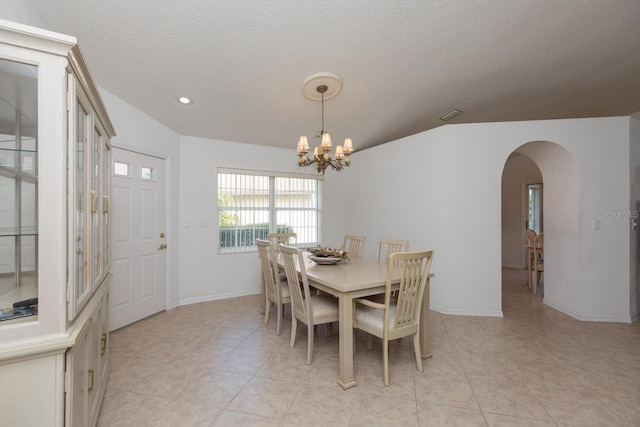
(162, 235)
(162, 247)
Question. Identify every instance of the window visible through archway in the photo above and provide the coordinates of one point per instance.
(534, 205)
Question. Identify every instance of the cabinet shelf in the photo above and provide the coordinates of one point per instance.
(13, 232)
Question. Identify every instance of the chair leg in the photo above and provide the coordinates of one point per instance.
(279, 319)
(309, 345)
(535, 286)
(266, 310)
(294, 327)
(416, 347)
(529, 261)
(385, 360)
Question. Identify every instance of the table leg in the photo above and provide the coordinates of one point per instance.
(425, 347)
(346, 379)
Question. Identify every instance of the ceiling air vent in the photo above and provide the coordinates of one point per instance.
(451, 114)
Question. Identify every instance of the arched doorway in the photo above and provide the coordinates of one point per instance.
(558, 172)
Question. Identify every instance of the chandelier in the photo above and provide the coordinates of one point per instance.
(322, 153)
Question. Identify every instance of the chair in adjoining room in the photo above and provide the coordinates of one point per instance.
(388, 246)
(397, 317)
(308, 308)
(538, 261)
(529, 243)
(276, 291)
(354, 245)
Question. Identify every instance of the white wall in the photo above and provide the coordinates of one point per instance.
(441, 189)
(136, 130)
(519, 171)
(22, 11)
(205, 274)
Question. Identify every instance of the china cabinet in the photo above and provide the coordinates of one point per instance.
(54, 232)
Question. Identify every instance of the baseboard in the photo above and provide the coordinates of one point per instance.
(587, 318)
(188, 301)
(457, 312)
(514, 266)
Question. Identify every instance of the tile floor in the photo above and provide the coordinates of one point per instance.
(216, 364)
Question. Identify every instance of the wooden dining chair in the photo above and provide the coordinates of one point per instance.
(310, 309)
(538, 261)
(388, 246)
(276, 291)
(529, 243)
(354, 245)
(284, 238)
(397, 317)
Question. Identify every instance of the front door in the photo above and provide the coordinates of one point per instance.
(139, 238)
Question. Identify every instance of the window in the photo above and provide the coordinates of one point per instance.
(121, 169)
(534, 202)
(147, 174)
(253, 204)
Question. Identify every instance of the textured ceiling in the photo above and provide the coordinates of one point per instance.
(404, 63)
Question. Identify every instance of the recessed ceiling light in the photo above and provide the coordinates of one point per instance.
(185, 100)
(451, 114)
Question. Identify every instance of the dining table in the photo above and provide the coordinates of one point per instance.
(356, 278)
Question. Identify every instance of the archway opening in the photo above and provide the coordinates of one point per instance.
(555, 168)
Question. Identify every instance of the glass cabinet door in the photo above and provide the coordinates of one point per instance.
(18, 190)
(81, 280)
(96, 247)
(106, 208)
(89, 152)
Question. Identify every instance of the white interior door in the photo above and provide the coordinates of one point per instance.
(139, 238)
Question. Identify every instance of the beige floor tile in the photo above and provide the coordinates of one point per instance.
(232, 418)
(625, 407)
(216, 363)
(324, 372)
(321, 406)
(498, 420)
(432, 415)
(285, 366)
(570, 407)
(381, 411)
(371, 380)
(508, 399)
(265, 397)
(489, 366)
(451, 390)
(168, 381)
(215, 388)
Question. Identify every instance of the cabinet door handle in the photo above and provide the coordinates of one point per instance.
(103, 344)
(94, 202)
(91, 378)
